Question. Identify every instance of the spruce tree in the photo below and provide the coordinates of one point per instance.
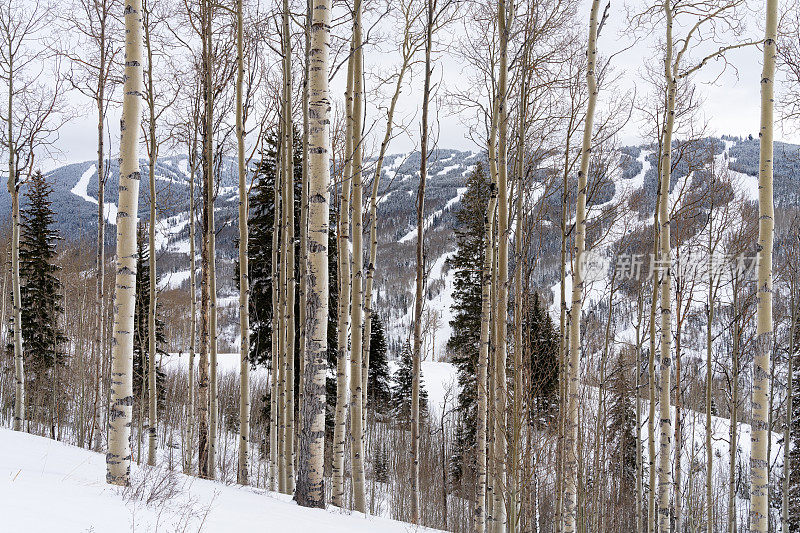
(401, 389)
(140, 326)
(40, 290)
(379, 379)
(622, 429)
(467, 263)
(794, 437)
(542, 342)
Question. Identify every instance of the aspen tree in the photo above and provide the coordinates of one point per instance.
(275, 366)
(789, 401)
(571, 462)
(501, 296)
(118, 457)
(479, 524)
(152, 152)
(420, 270)
(408, 49)
(310, 488)
(192, 294)
(342, 354)
(759, 509)
(301, 291)
(356, 310)
(288, 253)
(243, 467)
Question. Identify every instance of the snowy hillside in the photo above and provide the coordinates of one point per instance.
(51, 486)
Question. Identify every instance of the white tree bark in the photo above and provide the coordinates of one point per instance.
(356, 309)
(343, 314)
(759, 480)
(118, 458)
(573, 368)
(243, 468)
(310, 488)
(288, 253)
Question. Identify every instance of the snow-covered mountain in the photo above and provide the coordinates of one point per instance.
(632, 173)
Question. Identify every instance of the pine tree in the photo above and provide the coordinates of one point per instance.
(40, 291)
(140, 327)
(467, 264)
(379, 379)
(401, 389)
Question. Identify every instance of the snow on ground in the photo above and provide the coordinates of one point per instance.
(173, 280)
(55, 487)
(81, 190)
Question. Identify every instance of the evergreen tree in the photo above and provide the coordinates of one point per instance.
(40, 290)
(622, 429)
(401, 389)
(261, 221)
(794, 437)
(141, 328)
(542, 341)
(464, 342)
(379, 379)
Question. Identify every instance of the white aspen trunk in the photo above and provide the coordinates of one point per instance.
(289, 262)
(420, 281)
(665, 443)
(733, 445)
(118, 457)
(152, 149)
(343, 312)
(310, 485)
(99, 344)
(479, 523)
(193, 307)
(373, 219)
(639, 466)
(787, 466)
(275, 372)
(13, 190)
(759, 460)
(501, 297)
(652, 518)
(573, 368)
(243, 466)
(302, 290)
(356, 320)
(211, 287)
(710, 378)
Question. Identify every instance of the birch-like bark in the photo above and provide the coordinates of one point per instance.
(118, 457)
(759, 480)
(343, 312)
(16, 307)
(787, 465)
(356, 311)
(479, 523)
(302, 290)
(152, 152)
(501, 297)
(193, 304)
(665, 259)
(420, 274)
(408, 51)
(288, 253)
(275, 372)
(310, 484)
(573, 368)
(243, 466)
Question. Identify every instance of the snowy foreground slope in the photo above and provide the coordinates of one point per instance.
(48, 486)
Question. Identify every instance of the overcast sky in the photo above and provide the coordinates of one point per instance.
(730, 102)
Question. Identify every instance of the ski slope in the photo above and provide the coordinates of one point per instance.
(49, 486)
